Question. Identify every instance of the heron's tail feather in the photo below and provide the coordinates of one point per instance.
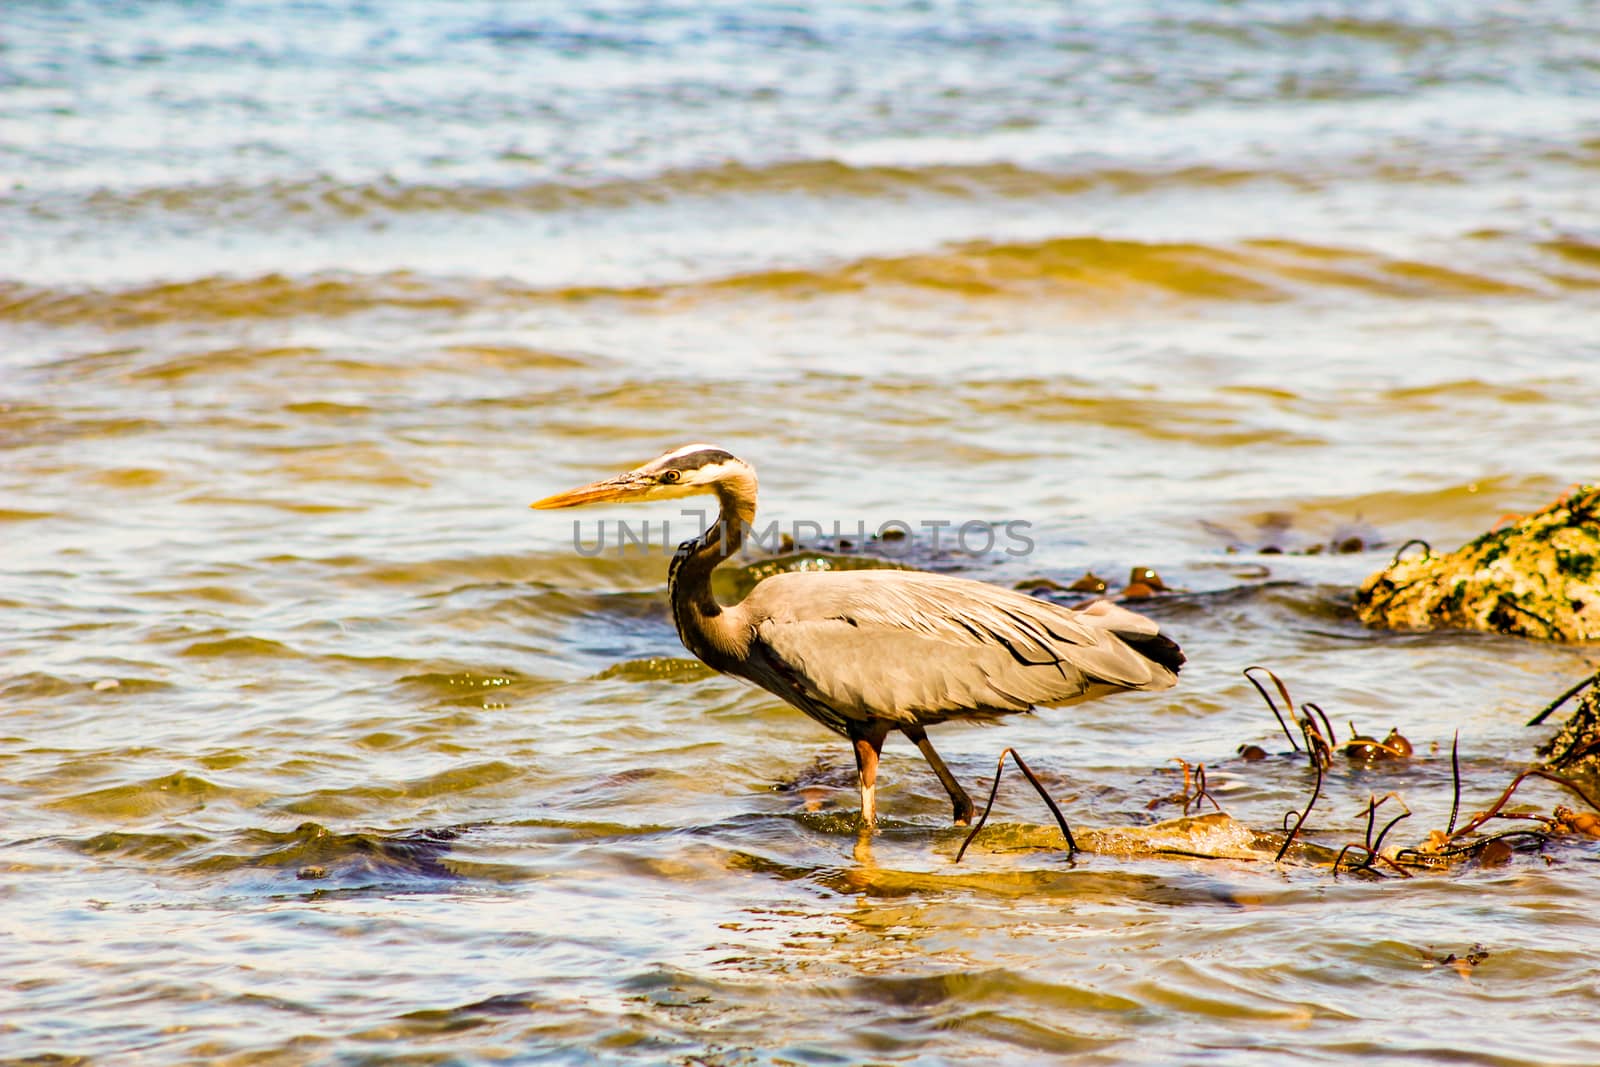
(1156, 648)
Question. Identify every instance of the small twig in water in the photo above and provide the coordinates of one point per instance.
(994, 790)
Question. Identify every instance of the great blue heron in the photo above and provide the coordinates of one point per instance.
(865, 652)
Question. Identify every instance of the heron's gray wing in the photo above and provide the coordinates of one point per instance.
(916, 647)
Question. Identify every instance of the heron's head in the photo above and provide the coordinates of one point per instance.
(687, 471)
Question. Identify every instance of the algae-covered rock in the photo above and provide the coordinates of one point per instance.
(1537, 577)
(1575, 748)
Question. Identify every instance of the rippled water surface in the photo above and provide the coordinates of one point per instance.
(317, 746)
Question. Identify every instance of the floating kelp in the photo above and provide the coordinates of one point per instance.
(1536, 577)
(1321, 739)
(1090, 583)
(1219, 836)
(1193, 794)
(1143, 582)
(1451, 845)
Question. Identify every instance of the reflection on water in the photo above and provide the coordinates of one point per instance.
(318, 744)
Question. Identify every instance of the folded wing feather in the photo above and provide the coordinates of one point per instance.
(916, 647)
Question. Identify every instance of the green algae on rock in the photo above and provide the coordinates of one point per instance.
(1537, 577)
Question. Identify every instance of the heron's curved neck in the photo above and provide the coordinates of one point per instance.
(703, 623)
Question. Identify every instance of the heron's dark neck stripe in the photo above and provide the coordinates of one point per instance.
(705, 457)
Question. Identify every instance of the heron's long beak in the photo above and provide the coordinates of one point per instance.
(622, 487)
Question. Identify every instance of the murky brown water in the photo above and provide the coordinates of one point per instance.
(317, 746)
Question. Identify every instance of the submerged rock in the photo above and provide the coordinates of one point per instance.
(1537, 577)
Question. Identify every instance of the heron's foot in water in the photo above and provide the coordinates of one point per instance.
(963, 809)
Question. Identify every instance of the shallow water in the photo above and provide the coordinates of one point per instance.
(319, 746)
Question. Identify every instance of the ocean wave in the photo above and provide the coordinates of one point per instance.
(162, 796)
(267, 296)
(327, 198)
(1088, 270)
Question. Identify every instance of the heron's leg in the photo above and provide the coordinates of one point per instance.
(868, 742)
(958, 796)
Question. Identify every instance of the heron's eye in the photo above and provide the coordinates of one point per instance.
(671, 476)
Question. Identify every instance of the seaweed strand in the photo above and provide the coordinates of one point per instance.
(1563, 698)
(994, 790)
